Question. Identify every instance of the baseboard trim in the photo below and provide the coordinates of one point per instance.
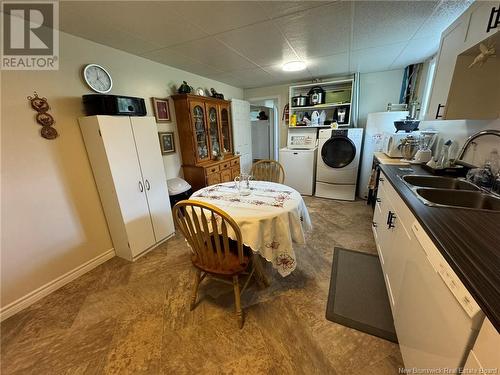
(30, 298)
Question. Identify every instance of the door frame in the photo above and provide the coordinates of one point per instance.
(276, 124)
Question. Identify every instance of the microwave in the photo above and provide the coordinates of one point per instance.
(391, 142)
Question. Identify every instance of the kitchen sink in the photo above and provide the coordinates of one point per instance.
(439, 182)
(459, 198)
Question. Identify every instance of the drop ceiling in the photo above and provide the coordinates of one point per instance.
(244, 43)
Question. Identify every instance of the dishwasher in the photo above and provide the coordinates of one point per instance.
(437, 320)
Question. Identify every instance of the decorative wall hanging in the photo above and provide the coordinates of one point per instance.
(167, 142)
(161, 109)
(43, 118)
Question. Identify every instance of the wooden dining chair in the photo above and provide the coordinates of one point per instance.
(268, 170)
(214, 254)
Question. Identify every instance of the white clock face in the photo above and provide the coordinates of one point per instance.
(97, 78)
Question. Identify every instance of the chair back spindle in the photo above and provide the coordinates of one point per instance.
(268, 170)
(205, 228)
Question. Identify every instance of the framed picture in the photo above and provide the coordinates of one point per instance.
(167, 142)
(162, 111)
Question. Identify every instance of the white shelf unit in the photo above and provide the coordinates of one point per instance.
(332, 85)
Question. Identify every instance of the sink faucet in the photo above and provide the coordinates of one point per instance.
(472, 138)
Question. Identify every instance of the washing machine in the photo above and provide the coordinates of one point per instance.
(338, 161)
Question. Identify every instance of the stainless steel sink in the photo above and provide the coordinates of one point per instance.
(459, 198)
(439, 182)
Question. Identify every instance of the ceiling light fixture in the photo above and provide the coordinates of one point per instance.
(294, 66)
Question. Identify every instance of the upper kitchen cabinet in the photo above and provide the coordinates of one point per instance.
(472, 27)
(475, 87)
(205, 135)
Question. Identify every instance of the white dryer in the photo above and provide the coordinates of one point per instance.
(338, 161)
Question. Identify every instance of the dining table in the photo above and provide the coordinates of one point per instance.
(271, 217)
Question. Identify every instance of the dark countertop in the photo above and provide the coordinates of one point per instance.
(468, 239)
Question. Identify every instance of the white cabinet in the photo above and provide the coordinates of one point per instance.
(391, 237)
(435, 317)
(452, 41)
(485, 355)
(128, 169)
(468, 30)
(479, 16)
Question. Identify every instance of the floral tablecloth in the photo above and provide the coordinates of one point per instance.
(271, 218)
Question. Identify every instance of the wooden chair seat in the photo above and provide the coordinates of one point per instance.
(232, 264)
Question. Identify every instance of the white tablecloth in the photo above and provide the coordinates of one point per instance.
(270, 218)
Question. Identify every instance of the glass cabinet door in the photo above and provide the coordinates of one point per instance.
(200, 130)
(213, 126)
(225, 130)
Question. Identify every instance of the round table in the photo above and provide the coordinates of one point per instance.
(271, 218)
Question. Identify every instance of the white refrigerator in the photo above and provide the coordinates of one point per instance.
(300, 168)
(376, 124)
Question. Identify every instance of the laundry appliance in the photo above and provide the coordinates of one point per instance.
(299, 159)
(338, 161)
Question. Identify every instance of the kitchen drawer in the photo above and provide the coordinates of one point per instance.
(235, 171)
(225, 165)
(226, 175)
(235, 162)
(212, 169)
(213, 179)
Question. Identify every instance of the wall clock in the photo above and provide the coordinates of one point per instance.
(97, 78)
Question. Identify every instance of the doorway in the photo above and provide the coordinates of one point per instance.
(264, 119)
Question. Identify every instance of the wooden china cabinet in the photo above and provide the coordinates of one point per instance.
(204, 126)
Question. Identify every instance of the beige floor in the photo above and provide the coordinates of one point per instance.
(134, 317)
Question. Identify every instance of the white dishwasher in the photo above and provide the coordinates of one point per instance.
(300, 168)
(436, 318)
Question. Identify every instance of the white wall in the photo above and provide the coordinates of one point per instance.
(52, 220)
(376, 90)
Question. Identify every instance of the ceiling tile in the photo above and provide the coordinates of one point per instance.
(375, 59)
(214, 53)
(328, 65)
(102, 33)
(170, 57)
(155, 22)
(445, 14)
(280, 76)
(262, 43)
(247, 78)
(229, 78)
(218, 16)
(417, 50)
(384, 22)
(320, 31)
(274, 9)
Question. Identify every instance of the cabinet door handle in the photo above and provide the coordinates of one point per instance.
(141, 187)
(439, 110)
(391, 218)
(148, 186)
(381, 179)
(374, 224)
(379, 200)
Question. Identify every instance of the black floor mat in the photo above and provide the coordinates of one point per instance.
(358, 296)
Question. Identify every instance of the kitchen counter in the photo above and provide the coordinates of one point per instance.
(468, 239)
(384, 159)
